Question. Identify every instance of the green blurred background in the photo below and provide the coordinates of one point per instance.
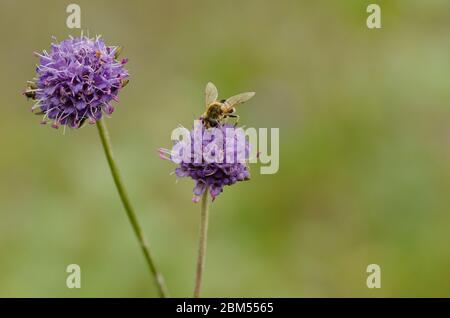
(364, 157)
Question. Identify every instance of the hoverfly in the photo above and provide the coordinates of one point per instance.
(218, 110)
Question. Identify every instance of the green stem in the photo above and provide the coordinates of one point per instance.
(202, 243)
(104, 136)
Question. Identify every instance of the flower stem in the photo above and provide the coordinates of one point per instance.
(202, 243)
(104, 136)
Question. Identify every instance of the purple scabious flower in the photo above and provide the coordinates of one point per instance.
(213, 162)
(76, 81)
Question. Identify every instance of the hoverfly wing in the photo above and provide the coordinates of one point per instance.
(211, 93)
(238, 99)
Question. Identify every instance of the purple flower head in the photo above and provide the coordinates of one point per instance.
(212, 162)
(76, 81)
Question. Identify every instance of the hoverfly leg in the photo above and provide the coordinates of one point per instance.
(233, 116)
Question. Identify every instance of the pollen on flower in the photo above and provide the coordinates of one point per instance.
(76, 81)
